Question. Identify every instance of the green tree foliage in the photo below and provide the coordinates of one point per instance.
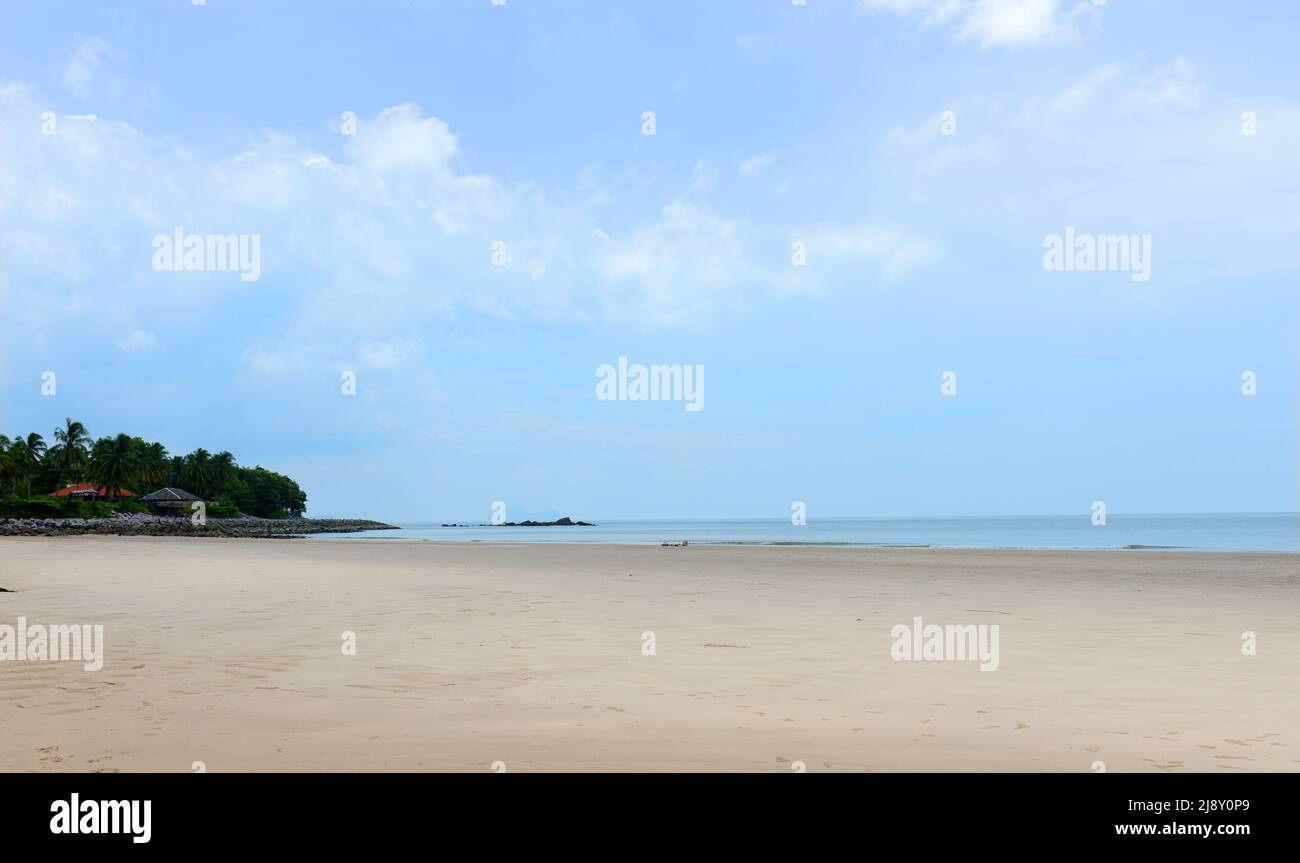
(25, 454)
(196, 473)
(71, 450)
(28, 466)
(114, 462)
(258, 491)
(9, 473)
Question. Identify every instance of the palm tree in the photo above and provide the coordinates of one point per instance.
(71, 450)
(176, 472)
(8, 467)
(197, 475)
(223, 470)
(113, 461)
(154, 465)
(27, 453)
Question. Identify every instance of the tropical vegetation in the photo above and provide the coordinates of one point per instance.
(32, 469)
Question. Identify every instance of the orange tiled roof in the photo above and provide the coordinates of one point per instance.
(88, 488)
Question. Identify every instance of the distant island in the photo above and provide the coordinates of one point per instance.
(563, 522)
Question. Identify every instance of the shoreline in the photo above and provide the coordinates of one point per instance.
(323, 535)
(1143, 549)
(320, 531)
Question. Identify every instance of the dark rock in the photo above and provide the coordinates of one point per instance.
(564, 522)
(139, 524)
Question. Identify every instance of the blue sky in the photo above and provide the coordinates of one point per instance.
(775, 123)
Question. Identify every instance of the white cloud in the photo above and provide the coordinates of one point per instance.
(990, 22)
(309, 349)
(895, 251)
(929, 12)
(1081, 92)
(387, 354)
(401, 138)
(1113, 164)
(934, 152)
(756, 163)
(684, 267)
(137, 340)
(1013, 22)
(88, 58)
(362, 245)
(1172, 84)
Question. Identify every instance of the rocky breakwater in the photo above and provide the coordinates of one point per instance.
(138, 524)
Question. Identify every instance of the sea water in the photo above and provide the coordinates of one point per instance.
(1275, 532)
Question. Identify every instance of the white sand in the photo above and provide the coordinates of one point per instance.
(228, 652)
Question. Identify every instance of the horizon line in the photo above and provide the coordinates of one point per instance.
(1085, 514)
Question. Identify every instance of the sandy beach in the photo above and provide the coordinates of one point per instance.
(229, 652)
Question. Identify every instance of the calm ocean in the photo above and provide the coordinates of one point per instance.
(1236, 532)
